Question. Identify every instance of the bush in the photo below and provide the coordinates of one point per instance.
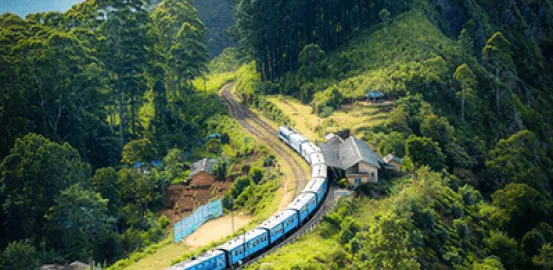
(163, 222)
(256, 174)
(326, 112)
(19, 255)
(461, 228)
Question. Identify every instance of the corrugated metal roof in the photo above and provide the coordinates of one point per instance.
(367, 154)
(374, 94)
(204, 165)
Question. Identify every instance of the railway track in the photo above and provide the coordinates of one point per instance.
(267, 134)
(310, 225)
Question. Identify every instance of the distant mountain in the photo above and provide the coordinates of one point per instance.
(24, 7)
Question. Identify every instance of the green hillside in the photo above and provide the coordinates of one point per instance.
(106, 105)
(470, 86)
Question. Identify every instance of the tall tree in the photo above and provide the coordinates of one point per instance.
(467, 80)
(497, 56)
(77, 220)
(128, 47)
(32, 176)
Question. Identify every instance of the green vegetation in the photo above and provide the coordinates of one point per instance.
(428, 223)
(469, 85)
(99, 116)
(105, 105)
(218, 18)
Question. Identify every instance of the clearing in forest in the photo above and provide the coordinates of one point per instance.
(358, 117)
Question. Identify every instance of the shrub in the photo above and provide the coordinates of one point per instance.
(256, 174)
(163, 222)
(19, 255)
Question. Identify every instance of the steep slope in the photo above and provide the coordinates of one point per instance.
(471, 85)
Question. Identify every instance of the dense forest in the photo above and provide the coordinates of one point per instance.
(87, 94)
(218, 17)
(99, 114)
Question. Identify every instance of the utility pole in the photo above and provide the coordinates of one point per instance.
(232, 213)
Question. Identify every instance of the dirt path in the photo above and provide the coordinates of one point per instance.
(214, 230)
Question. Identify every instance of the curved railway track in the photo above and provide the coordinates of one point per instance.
(267, 134)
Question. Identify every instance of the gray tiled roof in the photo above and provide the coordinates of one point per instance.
(330, 152)
(203, 165)
(349, 153)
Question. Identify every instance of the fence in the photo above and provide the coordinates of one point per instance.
(191, 223)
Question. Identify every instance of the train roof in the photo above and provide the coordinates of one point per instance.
(277, 219)
(287, 130)
(298, 137)
(318, 170)
(199, 259)
(317, 157)
(309, 145)
(300, 201)
(314, 184)
(239, 240)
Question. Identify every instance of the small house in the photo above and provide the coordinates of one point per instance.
(375, 95)
(354, 159)
(394, 162)
(201, 173)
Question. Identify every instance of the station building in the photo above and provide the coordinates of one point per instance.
(354, 160)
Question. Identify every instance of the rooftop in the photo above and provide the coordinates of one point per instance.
(393, 157)
(204, 165)
(375, 94)
(349, 153)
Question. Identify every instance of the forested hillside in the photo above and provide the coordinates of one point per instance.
(218, 17)
(98, 115)
(471, 88)
(104, 106)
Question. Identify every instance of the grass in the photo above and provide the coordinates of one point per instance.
(356, 117)
(311, 248)
(214, 81)
(160, 258)
(409, 54)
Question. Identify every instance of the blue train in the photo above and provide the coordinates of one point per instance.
(279, 226)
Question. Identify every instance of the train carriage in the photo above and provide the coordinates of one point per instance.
(316, 158)
(317, 186)
(244, 246)
(296, 140)
(256, 240)
(214, 259)
(284, 133)
(304, 205)
(319, 171)
(280, 224)
(307, 148)
(234, 251)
